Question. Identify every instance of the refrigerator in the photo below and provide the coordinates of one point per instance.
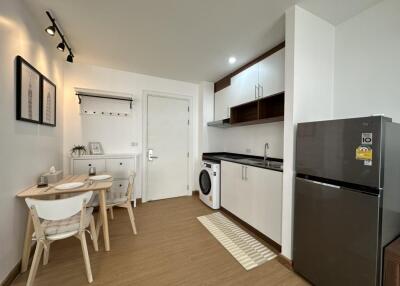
(346, 200)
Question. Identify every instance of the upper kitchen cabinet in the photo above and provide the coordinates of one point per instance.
(223, 102)
(271, 74)
(244, 86)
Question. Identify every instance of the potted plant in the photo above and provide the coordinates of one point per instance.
(78, 150)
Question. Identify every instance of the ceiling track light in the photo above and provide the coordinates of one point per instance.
(52, 30)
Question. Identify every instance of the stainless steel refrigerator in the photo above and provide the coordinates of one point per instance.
(347, 199)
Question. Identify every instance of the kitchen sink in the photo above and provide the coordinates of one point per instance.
(260, 163)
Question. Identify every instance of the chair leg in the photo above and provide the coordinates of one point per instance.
(111, 213)
(93, 232)
(35, 263)
(98, 224)
(132, 217)
(46, 254)
(82, 238)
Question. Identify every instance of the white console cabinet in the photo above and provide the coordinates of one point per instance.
(120, 166)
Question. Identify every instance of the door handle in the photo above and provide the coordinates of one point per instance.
(150, 156)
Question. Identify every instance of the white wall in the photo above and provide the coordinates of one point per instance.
(26, 149)
(309, 65)
(367, 63)
(115, 134)
(248, 139)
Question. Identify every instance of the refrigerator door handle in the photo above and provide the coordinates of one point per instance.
(321, 183)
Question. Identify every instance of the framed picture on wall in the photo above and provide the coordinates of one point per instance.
(27, 91)
(95, 148)
(48, 102)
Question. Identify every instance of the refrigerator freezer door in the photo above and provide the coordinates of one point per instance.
(335, 239)
(328, 149)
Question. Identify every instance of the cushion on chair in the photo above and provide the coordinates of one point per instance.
(52, 227)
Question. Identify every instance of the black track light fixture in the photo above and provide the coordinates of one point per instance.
(61, 46)
(51, 30)
(70, 58)
(55, 28)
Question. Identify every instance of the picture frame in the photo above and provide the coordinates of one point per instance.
(95, 148)
(48, 104)
(28, 91)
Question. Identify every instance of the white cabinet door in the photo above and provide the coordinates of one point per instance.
(231, 187)
(272, 74)
(82, 166)
(119, 168)
(222, 103)
(265, 194)
(244, 85)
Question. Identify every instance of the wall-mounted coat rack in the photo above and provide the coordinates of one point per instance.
(83, 92)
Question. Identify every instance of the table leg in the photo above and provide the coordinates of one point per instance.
(26, 251)
(103, 211)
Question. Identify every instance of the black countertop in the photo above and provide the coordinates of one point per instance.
(249, 160)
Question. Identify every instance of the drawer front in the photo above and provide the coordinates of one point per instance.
(82, 166)
(119, 168)
(119, 187)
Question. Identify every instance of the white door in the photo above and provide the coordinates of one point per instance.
(272, 74)
(168, 140)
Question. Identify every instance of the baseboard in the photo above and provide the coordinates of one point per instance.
(285, 262)
(275, 246)
(15, 271)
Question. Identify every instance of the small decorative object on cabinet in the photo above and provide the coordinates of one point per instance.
(95, 148)
(78, 150)
(48, 102)
(27, 91)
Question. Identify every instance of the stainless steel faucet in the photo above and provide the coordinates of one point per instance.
(266, 147)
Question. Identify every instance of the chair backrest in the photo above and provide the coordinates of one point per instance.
(129, 191)
(59, 209)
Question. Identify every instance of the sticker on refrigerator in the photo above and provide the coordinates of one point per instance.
(366, 138)
(364, 153)
(368, 163)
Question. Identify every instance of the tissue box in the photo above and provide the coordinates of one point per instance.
(54, 178)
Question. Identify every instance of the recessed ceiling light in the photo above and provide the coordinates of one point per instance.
(232, 60)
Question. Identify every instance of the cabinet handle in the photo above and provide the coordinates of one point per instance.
(245, 173)
(262, 91)
(242, 173)
(255, 91)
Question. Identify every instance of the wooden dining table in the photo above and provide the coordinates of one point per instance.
(101, 187)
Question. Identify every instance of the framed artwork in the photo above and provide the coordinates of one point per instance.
(27, 91)
(48, 102)
(95, 148)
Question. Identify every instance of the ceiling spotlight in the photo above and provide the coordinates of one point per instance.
(232, 60)
(51, 30)
(70, 58)
(61, 46)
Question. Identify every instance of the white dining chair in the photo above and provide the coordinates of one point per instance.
(59, 219)
(121, 200)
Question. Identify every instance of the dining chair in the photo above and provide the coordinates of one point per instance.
(59, 219)
(120, 200)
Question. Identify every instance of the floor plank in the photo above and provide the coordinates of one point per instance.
(171, 248)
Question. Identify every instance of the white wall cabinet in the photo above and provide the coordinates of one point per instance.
(264, 78)
(119, 166)
(254, 195)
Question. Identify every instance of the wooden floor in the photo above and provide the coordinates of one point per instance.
(172, 248)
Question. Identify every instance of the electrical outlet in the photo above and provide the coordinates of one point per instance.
(248, 151)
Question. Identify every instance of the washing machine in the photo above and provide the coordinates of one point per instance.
(209, 180)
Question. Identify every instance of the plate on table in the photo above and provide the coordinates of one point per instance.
(69, 186)
(100, 177)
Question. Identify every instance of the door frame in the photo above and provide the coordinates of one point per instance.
(189, 99)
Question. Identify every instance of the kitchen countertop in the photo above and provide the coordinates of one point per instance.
(249, 160)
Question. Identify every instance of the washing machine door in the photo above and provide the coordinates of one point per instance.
(205, 182)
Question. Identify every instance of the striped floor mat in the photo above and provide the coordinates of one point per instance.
(247, 251)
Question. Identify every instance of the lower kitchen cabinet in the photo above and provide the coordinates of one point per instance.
(254, 195)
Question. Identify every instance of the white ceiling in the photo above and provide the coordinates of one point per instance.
(188, 40)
